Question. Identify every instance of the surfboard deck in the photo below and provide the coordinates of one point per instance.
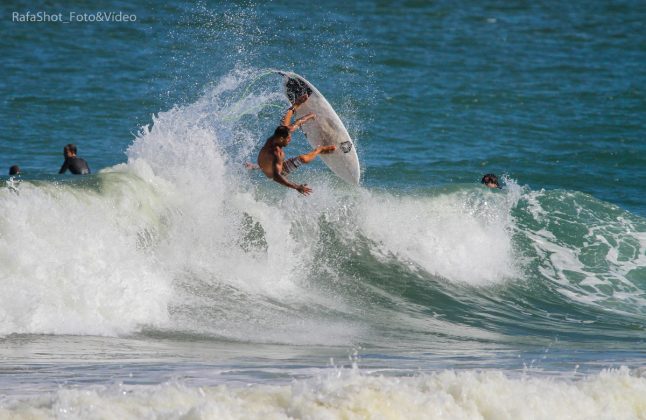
(327, 129)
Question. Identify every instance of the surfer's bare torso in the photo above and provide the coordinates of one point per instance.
(271, 158)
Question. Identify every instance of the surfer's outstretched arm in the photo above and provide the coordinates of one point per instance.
(281, 179)
(287, 118)
(301, 121)
(302, 188)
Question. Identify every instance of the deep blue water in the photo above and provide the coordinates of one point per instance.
(551, 94)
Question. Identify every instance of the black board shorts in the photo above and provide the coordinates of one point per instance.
(290, 165)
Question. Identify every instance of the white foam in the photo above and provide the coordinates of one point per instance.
(461, 236)
(71, 262)
(159, 243)
(612, 394)
(164, 240)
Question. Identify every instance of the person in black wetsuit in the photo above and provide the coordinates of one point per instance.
(75, 164)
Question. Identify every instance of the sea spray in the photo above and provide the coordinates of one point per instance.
(72, 261)
(182, 239)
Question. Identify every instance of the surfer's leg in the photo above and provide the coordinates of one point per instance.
(308, 157)
(290, 165)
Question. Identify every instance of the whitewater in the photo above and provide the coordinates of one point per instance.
(181, 245)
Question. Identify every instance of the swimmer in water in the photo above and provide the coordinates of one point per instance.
(490, 181)
(75, 164)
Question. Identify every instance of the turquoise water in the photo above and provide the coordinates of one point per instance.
(171, 269)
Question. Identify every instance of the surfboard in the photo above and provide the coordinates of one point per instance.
(327, 129)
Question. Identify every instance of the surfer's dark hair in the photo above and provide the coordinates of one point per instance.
(14, 170)
(490, 179)
(71, 147)
(281, 131)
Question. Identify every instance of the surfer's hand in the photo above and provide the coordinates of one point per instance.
(304, 189)
(310, 116)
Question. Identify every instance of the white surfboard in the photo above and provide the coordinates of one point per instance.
(326, 129)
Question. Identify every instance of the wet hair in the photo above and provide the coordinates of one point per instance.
(71, 147)
(490, 179)
(14, 170)
(281, 131)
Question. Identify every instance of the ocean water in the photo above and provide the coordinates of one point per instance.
(174, 283)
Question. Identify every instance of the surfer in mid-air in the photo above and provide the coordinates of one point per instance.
(271, 159)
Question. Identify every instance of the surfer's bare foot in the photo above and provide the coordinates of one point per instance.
(324, 150)
(308, 157)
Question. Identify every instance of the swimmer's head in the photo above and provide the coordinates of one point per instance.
(283, 135)
(14, 170)
(69, 150)
(490, 181)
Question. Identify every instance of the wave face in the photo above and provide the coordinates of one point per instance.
(182, 239)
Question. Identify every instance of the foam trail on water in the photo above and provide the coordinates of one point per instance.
(593, 252)
(615, 394)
